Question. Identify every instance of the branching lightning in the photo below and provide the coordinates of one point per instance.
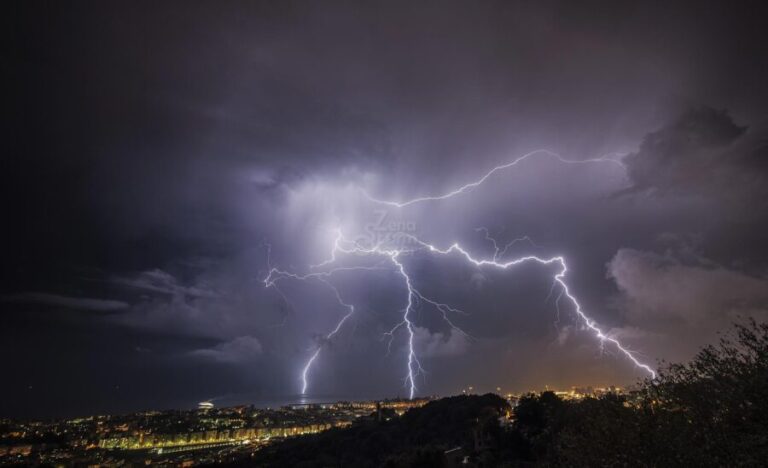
(499, 252)
(559, 279)
(276, 275)
(393, 256)
(342, 245)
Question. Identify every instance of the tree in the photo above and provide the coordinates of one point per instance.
(712, 411)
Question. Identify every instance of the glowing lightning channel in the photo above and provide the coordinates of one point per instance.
(345, 246)
(559, 278)
(468, 187)
(498, 251)
(414, 366)
(276, 275)
(330, 335)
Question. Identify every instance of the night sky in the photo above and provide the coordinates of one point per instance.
(160, 156)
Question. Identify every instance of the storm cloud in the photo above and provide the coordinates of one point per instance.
(163, 157)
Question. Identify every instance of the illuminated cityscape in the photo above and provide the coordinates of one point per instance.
(201, 436)
(207, 434)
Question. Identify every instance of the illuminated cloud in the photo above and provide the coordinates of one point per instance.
(667, 301)
(239, 350)
(440, 344)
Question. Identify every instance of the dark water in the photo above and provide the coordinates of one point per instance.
(261, 401)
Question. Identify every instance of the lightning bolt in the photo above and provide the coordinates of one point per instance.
(559, 279)
(341, 245)
(472, 185)
(328, 337)
(499, 252)
(277, 275)
(414, 366)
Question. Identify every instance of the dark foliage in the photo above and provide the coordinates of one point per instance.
(418, 438)
(712, 411)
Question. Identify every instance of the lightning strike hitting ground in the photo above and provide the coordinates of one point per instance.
(330, 335)
(275, 275)
(413, 364)
(341, 245)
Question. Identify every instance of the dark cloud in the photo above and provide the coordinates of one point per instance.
(55, 300)
(157, 152)
(686, 154)
(159, 281)
(703, 153)
(239, 350)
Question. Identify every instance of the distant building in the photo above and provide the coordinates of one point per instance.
(205, 405)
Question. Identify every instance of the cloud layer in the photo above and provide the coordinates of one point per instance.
(179, 153)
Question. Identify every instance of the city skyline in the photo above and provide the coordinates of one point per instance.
(212, 434)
